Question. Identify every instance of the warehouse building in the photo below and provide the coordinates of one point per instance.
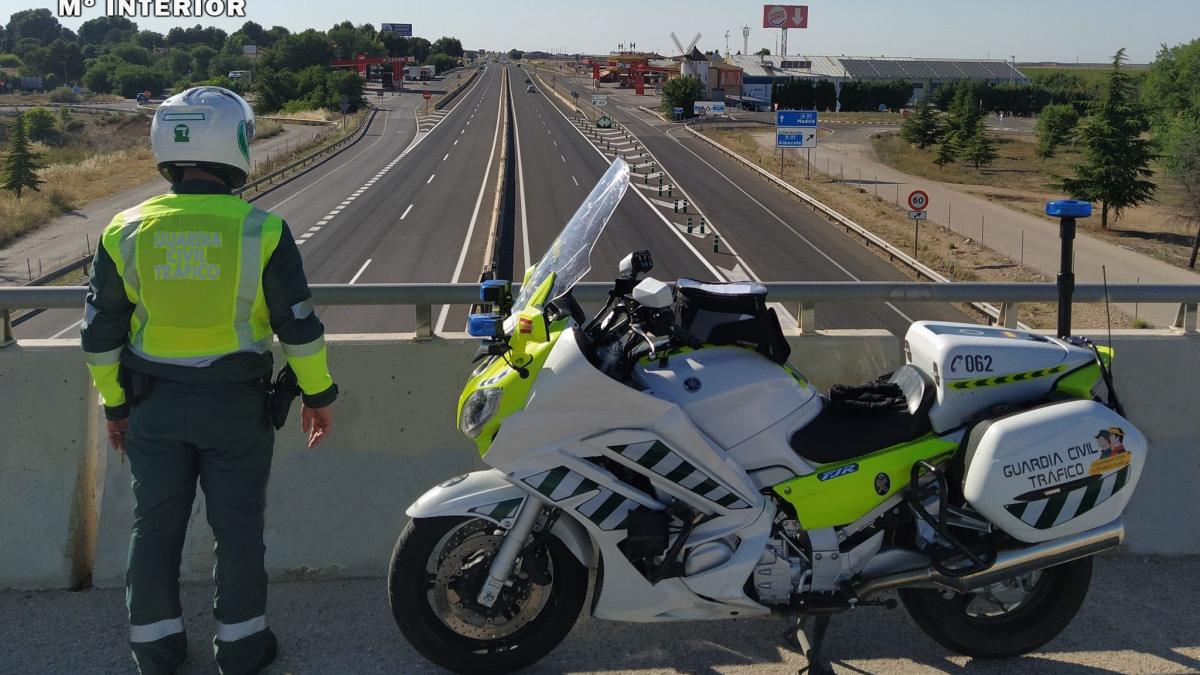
(761, 73)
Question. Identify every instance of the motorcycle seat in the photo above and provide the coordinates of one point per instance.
(837, 434)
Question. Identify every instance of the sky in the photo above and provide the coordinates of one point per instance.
(1046, 30)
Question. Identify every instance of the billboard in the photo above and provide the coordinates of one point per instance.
(401, 29)
(706, 108)
(785, 16)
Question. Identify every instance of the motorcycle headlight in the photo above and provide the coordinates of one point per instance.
(478, 409)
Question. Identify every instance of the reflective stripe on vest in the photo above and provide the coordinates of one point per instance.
(192, 266)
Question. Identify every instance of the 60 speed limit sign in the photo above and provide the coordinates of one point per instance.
(918, 200)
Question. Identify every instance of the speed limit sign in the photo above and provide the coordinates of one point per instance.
(918, 200)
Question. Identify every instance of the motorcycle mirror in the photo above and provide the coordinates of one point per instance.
(489, 325)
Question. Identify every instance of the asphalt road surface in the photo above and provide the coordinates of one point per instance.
(1139, 617)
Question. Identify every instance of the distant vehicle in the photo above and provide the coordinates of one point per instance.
(527, 80)
(529, 88)
(143, 97)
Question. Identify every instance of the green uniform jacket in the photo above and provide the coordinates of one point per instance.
(109, 313)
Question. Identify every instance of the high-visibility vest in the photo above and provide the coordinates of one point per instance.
(192, 266)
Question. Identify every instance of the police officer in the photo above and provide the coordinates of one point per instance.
(186, 291)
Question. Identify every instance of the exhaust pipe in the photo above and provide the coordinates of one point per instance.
(1009, 563)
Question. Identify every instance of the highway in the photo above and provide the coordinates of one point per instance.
(766, 234)
(412, 201)
(405, 203)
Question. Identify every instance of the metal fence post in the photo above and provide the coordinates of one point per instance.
(1185, 319)
(424, 329)
(1008, 314)
(6, 319)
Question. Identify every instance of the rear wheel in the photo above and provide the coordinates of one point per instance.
(438, 568)
(1008, 618)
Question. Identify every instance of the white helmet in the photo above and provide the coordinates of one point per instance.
(204, 127)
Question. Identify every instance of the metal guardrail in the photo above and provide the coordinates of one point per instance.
(423, 297)
(322, 153)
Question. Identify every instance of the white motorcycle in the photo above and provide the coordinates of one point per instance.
(666, 444)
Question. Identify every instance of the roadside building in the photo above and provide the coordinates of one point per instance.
(763, 73)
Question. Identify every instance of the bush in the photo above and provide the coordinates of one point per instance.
(866, 96)
(441, 62)
(10, 61)
(681, 92)
(41, 126)
(131, 79)
(64, 95)
(99, 79)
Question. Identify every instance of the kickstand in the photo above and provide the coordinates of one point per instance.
(812, 650)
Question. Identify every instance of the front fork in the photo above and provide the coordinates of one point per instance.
(514, 541)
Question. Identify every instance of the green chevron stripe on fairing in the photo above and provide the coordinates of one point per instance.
(977, 383)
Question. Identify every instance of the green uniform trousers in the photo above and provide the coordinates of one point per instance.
(221, 435)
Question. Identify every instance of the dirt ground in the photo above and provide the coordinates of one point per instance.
(956, 257)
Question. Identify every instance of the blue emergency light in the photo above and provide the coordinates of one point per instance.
(487, 325)
(495, 291)
(1069, 208)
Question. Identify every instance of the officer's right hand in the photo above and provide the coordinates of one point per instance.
(316, 423)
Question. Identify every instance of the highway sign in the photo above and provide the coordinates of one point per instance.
(574, 94)
(785, 16)
(677, 111)
(918, 200)
(796, 129)
(427, 95)
(599, 100)
(708, 108)
(604, 122)
(796, 118)
(401, 29)
(918, 215)
(345, 105)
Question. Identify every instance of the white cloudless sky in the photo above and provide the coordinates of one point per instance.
(1032, 30)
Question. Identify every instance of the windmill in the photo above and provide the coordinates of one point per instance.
(680, 47)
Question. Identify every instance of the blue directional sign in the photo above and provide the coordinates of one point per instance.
(796, 129)
(796, 118)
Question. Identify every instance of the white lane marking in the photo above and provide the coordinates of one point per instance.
(463, 131)
(564, 159)
(555, 143)
(306, 235)
(431, 177)
(315, 228)
(360, 272)
(322, 221)
(781, 221)
(300, 241)
(66, 330)
(446, 157)
(334, 171)
(576, 181)
(462, 255)
(405, 214)
(456, 141)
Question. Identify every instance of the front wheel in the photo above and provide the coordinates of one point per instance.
(1008, 618)
(437, 569)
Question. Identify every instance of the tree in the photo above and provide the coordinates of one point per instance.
(36, 24)
(441, 62)
(10, 61)
(923, 128)
(1055, 124)
(299, 51)
(130, 79)
(1181, 142)
(1116, 168)
(448, 46)
(947, 150)
(40, 125)
(516, 54)
(763, 52)
(148, 39)
(19, 171)
(682, 92)
(105, 29)
(202, 55)
(977, 148)
(1173, 84)
(66, 60)
(130, 53)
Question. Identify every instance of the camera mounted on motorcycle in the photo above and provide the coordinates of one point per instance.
(634, 264)
(497, 293)
(487, 325)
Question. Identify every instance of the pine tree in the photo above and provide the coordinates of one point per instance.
(923, 127)
(946, 151)
(1116, 168)
(20, 167)
(977, 148)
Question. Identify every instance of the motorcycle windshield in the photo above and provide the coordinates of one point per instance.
(570, 256)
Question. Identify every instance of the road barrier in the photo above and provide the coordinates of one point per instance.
(65, 496)
(309, 161)
(453, 93)
(493, 264)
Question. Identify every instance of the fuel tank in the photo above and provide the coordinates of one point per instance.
(730, 393)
